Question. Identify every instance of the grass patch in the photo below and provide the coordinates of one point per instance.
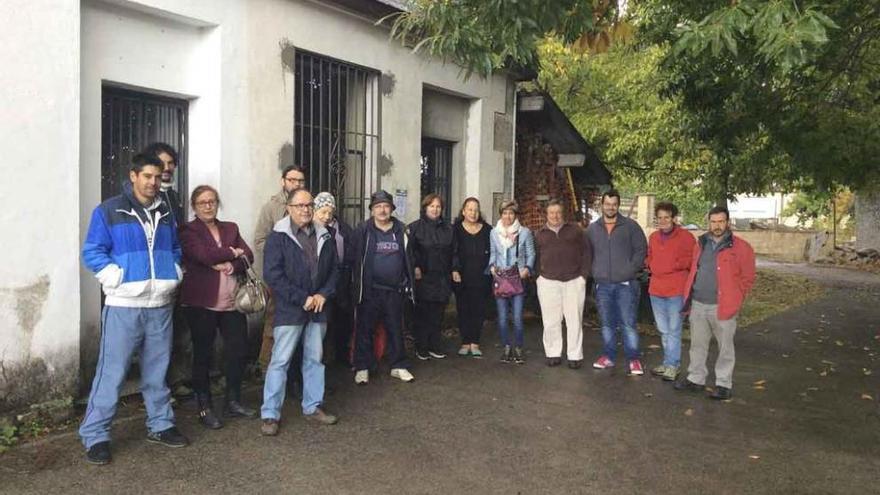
(775, 292)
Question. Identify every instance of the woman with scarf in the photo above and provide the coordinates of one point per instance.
(512, 254)
(470, 272)
(431, 238)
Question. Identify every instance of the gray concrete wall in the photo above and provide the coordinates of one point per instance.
(868, 219)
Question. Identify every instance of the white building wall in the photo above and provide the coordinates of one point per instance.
(39, 136)
(232, 60)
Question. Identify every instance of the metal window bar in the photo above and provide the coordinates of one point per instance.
(436, 170)
(130, 120)
(336, 129)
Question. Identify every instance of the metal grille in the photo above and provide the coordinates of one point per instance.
(131, 120)
(336, 130)
(436, 169)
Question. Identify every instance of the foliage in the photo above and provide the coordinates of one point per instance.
(814, 209)
(763, 94)
(487, 35)
(613, 100)
(8, 433)
(775, 292)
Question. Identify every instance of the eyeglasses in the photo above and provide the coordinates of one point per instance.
(302, 206)
(206, 204)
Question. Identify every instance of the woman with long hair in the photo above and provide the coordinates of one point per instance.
(470, 272)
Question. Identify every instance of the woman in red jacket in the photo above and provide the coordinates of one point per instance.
(212, 256)
(670, 249)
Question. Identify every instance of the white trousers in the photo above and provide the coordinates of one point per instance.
(558, 300)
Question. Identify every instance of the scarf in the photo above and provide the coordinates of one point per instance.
(507, 235)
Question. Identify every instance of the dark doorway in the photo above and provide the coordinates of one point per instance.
(436, 170)
(130, 120)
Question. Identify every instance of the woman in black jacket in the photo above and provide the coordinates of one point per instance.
(431, 239)
(470, 265)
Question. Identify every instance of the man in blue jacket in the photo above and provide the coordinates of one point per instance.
(300, 266)
(132, 248)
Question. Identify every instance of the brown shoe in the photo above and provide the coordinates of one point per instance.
(269, 427)
(321, 417)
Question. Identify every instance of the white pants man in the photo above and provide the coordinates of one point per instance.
(563, 299)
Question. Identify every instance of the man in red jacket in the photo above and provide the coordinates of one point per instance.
(722, 274)
(670, 249)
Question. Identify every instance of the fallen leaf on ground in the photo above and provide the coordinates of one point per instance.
(653, 346)
(829, 363)
(785, 355)
(753, 456)
(760, 382)
(866, 371)
(758, 387)
(813, 389)
(867, 397)
(839, 343)
(649, 394)
(823, 373)
(809, 369)
(690, 412)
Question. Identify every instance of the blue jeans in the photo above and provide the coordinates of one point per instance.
(618, 306)
(516, 304)
(124, 332)
(286, 339)
(667, 315)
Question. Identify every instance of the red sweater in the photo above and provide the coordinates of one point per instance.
(735, 263)
(669, 261)
(201, 283)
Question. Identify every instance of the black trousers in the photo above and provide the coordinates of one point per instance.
(203, 324)
(427, 322)
(470, 303)
(385, 306)
(340, 329)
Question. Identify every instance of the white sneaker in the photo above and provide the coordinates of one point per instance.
(403, 374)
(362, 377)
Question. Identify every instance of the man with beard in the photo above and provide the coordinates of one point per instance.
(168, 155)
(619, 250)
(721, 276)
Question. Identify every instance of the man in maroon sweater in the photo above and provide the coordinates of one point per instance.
(564, 258)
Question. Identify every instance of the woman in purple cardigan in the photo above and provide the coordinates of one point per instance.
(212, 257)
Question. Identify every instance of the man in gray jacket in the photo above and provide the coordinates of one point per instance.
(619, 250)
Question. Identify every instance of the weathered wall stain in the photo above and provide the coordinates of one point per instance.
(287, 54)
(387, 83)
(285, 155)
(33, 381)
(386, 163)
(28, 302)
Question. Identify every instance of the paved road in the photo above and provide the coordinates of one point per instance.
(483, 427)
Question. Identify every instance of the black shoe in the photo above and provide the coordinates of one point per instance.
(505, 355)
(688, 386)
(206, 412)
(721, 393)
(576, 364)
(422, 356)
(99, 454)
(234, 409)
(169, 438)
(518, 357)
(554, 361)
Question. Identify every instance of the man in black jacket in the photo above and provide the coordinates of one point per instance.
(383, 277)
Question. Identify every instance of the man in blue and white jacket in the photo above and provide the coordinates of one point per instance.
(133, 250)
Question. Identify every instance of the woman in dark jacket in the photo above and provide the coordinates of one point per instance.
(431, 239)
(470, 265)
(213, 253)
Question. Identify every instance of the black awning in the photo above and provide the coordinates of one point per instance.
(541, 114)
